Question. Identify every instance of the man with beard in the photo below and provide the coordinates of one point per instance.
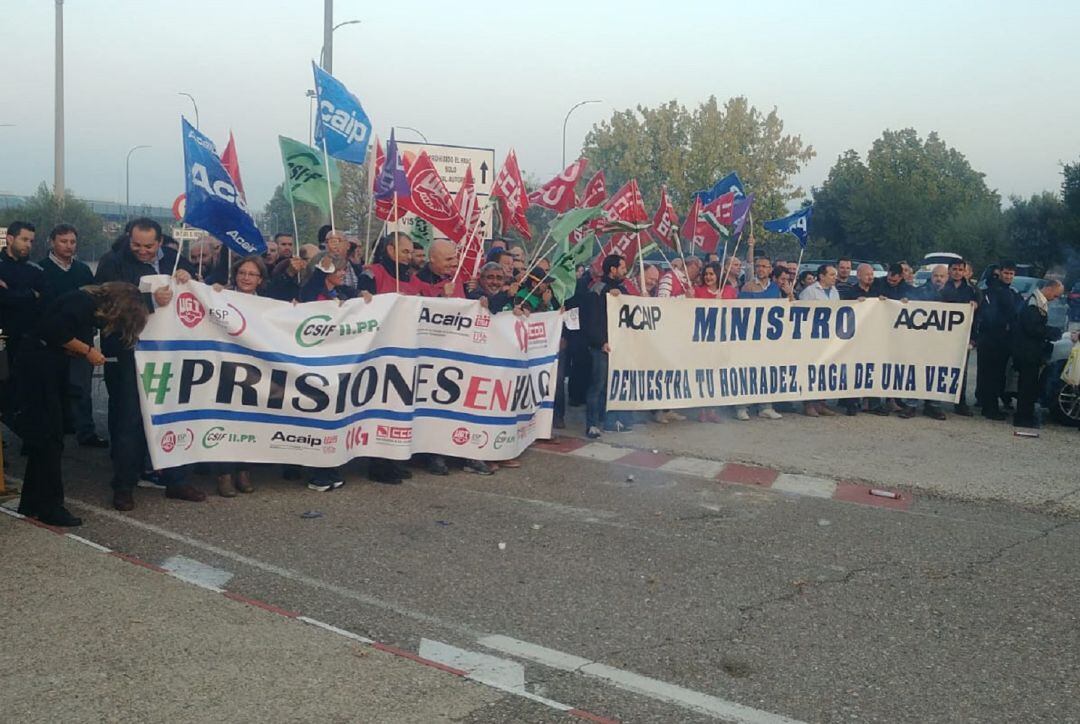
(22, 284)
(594, 326)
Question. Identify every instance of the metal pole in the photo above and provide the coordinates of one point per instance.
(194, 105)
(311, 117)
(58, 139)
(127, 182)
(572, 108)
(328, 36)
(410, 128)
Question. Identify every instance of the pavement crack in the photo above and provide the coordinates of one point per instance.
(969, 568)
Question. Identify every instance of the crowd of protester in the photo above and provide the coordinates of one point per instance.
(52, 310)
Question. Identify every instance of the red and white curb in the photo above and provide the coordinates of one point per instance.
(847, 491)
(500, 674)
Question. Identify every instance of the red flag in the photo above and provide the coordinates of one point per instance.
(723, 208)
(697, 230)
(666, 221)
(232, 164)
(625, 211)
(384, 208)
(558, 193)
(430, 200)
(509, 191)
(468, 207)
(595, 194)
(624, 244)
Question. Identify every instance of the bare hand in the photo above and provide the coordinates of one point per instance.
(448, 289)
(218, 287)
(181, 276)
(295, 265)
(484, 302)
(606, 348)
(614, 292)
(367, 297)
(95, 357)
(162, 296)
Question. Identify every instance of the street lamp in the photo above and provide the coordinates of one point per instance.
(127, 181)
(410, 128)
(58, 107)
(194, 104)
(311, 115)
(572, 109)
(326, 54)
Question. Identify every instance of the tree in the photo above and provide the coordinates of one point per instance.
(910, 197)
(689, 151)
(1037, 229)
(279, 218)
(44, 211)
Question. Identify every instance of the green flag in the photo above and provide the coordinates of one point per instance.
(565, 223)
(563, 274)
(305, 174)
(421, 233)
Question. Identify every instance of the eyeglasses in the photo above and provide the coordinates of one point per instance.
(257, 275)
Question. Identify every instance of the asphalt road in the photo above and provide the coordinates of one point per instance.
(659, 598)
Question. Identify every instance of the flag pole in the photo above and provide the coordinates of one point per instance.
(329, 190)
(470, 233)
(397, 249)
(371, 203)
(179, 251)
(641, 261)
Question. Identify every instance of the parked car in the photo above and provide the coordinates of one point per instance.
(1063, 400)
(1074, 303)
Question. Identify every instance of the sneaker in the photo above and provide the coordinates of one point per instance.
(660, 417)
(623, 427)
(477, 467)
(742, 414)
(593, 432)
(436, 465)
(769, 414)
(151, 479)
(324, 485)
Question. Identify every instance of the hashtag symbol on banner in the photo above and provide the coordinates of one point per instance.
(157, 383)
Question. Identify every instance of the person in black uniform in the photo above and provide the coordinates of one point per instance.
(116, 307)
(1031, 338)
(22, 285)
(997, 313)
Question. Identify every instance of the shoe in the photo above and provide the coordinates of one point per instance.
(400, 470)
(714, 417)
(963, 411)
(325, 484)
(512, 463)
(150, 479)
(701, 417)
(593, 432)
(742, 414)
(851, 411)
(242, 481)
(437, 465)
(769, 414)
(123, 500)
(934, 412)
(558, 423)
(660, 417)
(811, 410)
(225, 487)
(893, 406)
(61, 518)
(185, 492)
(673, 416)
(826, 411)
(907, 413)
(994, 415)
(880, 411)
(622, 427)
(94, 440)
(477, 467)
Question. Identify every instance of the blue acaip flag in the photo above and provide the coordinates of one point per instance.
(213, 202)
(342, 124)
(729, 183)
(391, 180)
(797, 224)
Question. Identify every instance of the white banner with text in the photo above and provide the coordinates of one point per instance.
(678, 353)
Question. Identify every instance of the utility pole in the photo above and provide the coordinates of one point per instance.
(58, 106)
(328, 36)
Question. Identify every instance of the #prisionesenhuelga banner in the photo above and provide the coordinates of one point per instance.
(233, 377)
(675, 353)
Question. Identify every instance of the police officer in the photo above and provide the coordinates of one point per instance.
(997, 313)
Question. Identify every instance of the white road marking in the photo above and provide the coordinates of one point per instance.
(601, 451)
(693, 466)
(636, 683)
(90, 543)
(200, 574)
(502, 674)
(10, 507)
(335, 629)
(805, 485)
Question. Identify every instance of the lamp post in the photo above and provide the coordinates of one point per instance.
(326, 55)
(58, 107)
(572, 109)
(410, 128)
(194, 105)
(127, 181)
(311, 116)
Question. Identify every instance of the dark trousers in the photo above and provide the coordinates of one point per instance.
(127, 439)
(596, 413)
(560, 384)
(39, 418)
(579, 362)
(1027, 391)
(81, 397)
(990, 378)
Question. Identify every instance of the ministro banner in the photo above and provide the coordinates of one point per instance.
(679, 353)
(234, 377)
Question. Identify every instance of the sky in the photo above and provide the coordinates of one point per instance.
(997, 80)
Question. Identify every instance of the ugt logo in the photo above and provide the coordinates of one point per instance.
(189, 309)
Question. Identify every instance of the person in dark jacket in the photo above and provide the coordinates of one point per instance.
(997, 313)
(492, 288)
(892, 285)
(119, 309)
(594, 327)
(958, 291)
(136, 254)
(65, 273)
(1031, 344)
(22, 285)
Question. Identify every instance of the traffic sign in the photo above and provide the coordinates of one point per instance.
(451, 162)
(179, 206)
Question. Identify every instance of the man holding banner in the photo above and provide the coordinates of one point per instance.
(594, 324)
